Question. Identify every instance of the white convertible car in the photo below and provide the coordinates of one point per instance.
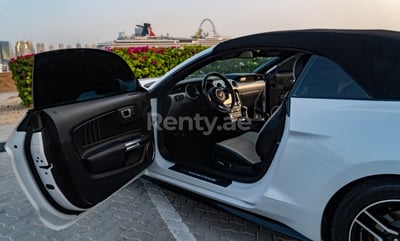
(294, 130)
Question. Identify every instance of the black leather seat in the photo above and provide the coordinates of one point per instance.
(251, 153)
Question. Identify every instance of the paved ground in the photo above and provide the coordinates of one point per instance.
(141, 211)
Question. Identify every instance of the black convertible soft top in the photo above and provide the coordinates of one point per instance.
(371, 57)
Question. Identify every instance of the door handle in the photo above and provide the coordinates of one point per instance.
(132, 145)
(126, 113)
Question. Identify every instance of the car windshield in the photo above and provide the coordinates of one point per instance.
(244, 63)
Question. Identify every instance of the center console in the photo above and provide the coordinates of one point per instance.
(237, 110)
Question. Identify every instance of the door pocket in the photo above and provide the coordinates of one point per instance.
(115, 155)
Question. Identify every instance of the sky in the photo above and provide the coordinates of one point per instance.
(95, 21)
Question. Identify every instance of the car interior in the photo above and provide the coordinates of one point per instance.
(223, 121)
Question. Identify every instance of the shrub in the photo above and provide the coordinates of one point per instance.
(21, 68)
(148, 62)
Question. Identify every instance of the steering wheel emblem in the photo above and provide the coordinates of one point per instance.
(220, 94)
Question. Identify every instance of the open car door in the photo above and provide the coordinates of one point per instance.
(87, 135)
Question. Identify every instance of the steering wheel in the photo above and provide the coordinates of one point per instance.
(216, 95)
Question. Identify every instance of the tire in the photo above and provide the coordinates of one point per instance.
(369, 212)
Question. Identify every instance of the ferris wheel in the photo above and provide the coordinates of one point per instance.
(204, 34)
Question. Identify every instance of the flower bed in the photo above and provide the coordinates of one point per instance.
(147, 62)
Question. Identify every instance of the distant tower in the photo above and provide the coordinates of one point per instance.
(40, 47)
(78, 45)
(23, 48)
(5, 52)
(60, 45)
(19, 48)
(51, 47)
(31, 49)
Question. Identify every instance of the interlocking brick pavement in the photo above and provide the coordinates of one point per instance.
(131, 214)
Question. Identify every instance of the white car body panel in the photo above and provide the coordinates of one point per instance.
(51, 217)
(333, 143)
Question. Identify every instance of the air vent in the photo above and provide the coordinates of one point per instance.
(192, 92)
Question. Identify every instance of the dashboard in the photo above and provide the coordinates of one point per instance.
(187, 95)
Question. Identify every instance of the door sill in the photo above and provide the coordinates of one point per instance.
(221, 181)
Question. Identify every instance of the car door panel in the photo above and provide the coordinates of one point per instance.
(87, 136)
(87, 145)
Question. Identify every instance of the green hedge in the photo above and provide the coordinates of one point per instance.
(144, 61)
(21, 69)
(148, 62)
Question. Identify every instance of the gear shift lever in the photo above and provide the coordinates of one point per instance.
(244, 111)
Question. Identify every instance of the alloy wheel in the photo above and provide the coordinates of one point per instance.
(379, 221)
